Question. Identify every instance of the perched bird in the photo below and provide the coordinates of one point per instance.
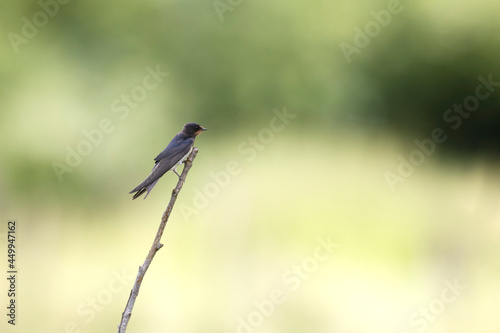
(170, 158)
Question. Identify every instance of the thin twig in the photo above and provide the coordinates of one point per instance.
(156, 245)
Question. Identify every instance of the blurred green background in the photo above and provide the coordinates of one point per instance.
(313, 109)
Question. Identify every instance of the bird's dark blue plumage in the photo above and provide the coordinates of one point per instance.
(176, 152)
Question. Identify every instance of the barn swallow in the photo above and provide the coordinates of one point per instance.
(170, 158)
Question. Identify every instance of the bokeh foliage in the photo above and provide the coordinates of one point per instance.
(322, 175)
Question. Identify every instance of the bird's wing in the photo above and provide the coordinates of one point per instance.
(175, 150)
(166, 160)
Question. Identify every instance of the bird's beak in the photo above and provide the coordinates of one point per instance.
(200, 130)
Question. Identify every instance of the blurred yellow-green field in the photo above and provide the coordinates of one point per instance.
(348, 181)
(392, 252)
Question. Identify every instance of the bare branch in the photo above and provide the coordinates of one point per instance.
(127, 313)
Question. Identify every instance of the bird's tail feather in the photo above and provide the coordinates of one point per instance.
(146, 185)
(138, 194)
(150, 187)
(140, 191)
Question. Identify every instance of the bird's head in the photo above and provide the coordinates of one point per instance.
(193, 129)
